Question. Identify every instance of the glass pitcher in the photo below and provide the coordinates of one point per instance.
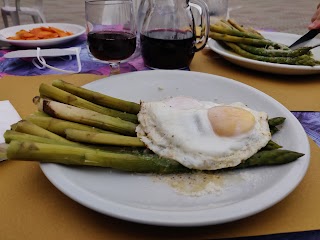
(167, 29)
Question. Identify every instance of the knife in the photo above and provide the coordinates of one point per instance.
(307, 37)
(54, 52)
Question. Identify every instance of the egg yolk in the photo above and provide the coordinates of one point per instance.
(228, 121)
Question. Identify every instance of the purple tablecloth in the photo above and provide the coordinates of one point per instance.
(25, 67)
(311, 124)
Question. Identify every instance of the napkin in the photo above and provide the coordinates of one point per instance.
(8, 116)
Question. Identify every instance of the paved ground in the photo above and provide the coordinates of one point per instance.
(279, 15)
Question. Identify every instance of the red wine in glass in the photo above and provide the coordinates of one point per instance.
(111, 45)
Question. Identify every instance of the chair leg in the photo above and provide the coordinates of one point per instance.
(4, 18)
(15, 18)
(35, 19)
(39, 18)
(42, 17)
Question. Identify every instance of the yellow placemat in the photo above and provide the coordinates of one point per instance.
(32, 208)
(20, 90)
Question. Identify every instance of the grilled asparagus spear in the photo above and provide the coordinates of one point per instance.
(233, 32)
(142, 163)
(84, 116)
(274, 122)
(57, 94)
(132, 162)
(270, 157)
(271, 145)
(98, 98)
(275, 52)
(30, 128)
(58, 126)
(244, 40)
(102, 138)
(11, 135)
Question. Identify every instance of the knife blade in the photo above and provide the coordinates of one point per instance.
(53, 52)
(304, 39)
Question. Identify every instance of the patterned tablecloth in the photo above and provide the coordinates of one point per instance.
(311, 124)
(25, 67)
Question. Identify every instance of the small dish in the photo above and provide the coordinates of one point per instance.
(77, 30)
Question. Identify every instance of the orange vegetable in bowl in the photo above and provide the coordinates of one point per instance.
(40, 33)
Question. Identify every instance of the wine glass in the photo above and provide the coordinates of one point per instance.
(111, 31)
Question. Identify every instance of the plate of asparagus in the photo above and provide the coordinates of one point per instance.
(90, 151)
(263, 50)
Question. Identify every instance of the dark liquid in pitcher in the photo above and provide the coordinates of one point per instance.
(167, 49)
(108, 46)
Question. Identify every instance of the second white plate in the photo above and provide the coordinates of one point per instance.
(77, 30)
(285, 38)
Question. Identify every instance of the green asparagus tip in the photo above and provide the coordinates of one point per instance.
(276, 121)
(270, 157)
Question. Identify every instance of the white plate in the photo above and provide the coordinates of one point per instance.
(278, 37)
(77, 30)
(141, 198)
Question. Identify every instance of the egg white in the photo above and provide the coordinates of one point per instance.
(179, 128)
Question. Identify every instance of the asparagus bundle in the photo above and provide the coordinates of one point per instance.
(72, 135)
(250, 44)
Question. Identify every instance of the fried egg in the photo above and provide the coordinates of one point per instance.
(200, 134)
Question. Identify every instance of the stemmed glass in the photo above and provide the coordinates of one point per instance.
(111, 31)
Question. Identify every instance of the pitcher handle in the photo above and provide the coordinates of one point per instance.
(203, 10)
